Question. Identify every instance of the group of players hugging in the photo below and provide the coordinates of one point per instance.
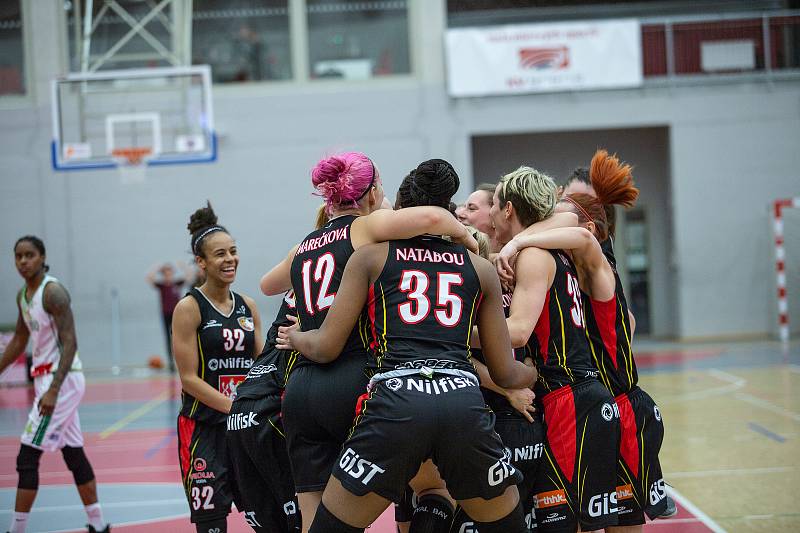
(480, 383)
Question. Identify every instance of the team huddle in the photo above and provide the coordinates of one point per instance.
(481, 383)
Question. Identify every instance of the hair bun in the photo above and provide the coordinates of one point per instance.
(202, 218)
(434, 182)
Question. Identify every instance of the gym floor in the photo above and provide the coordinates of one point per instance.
(731, 452)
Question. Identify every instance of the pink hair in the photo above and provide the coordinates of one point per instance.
(342, 179)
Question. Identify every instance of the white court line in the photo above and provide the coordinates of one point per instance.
(106, 505)
(734, 383)
(732, 472)
(794, 368)
(769, 406)
(692, 508)
(134, 523)
(671, 522)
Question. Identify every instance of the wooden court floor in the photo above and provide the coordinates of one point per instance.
(731, 451)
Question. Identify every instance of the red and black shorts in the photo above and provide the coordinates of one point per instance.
(576, 484)
(640, 484)
(203, 460)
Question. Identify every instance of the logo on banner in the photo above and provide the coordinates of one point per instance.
(544, 58)
(228, 384)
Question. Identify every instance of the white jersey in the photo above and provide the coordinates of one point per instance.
(44, 333)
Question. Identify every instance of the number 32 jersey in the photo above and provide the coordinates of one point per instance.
(225, 344)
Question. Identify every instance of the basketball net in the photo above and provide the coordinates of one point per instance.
(132, 163)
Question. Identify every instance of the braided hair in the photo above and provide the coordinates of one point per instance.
(433, 182)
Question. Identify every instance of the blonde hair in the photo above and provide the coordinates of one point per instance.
(532, 193)
(322, 216)
(483, 241)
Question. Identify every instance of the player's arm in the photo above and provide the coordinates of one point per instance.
(385, 225)
(56, 303)
(504, 260)
(535, 272)
(278, 280)
(504, 370)
(185, 321)
(632, 321)
(324, 345)
(520, 399)
(259, 343)
(150, 277)
(17, 343)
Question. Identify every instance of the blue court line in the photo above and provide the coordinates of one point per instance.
(764, 431)
(163, 443)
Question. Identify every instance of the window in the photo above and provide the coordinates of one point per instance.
(12, 71)
(357, 40)
(242, 40)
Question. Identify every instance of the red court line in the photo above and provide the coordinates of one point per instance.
(656, 359)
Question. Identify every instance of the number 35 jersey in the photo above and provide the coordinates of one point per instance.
(225, 344)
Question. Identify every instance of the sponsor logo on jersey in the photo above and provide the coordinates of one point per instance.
(212, 324)
(200, 472)
(609, 411)
(528, 453)
(603, 504)
(250, 518)
(246, 323)
(394, 383)
(507, 296)
(429, 363)
(550, 499)
(359, 468)
(241, 310)
(290, 508)
(239, 421)
(260, 370)
(468, 527)
(437, 386)
(215, 364)
(657, 413)
(591, 374)
(289, 299)
(228, 384)
(624, 492)
(554, 517)
(326, 238)
(199, 464)
(424, 255)
(500, 471)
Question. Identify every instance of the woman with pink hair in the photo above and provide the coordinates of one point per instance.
(320, 400)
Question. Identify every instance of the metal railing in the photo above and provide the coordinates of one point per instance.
(730, 46)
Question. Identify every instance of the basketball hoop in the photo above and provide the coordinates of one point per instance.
(132, 162)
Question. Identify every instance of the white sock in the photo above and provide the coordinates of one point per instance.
(18, 522)
(95, 514)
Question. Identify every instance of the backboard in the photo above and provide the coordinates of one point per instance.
(159, 116)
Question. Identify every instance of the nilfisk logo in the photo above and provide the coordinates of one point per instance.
(359, 468)
(229, 362)
(242, 421)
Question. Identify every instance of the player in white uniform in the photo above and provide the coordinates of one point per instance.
(46, 318)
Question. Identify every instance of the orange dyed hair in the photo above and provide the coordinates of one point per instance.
(612, 180)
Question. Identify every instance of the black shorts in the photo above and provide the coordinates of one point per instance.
(577, 481)
(406, 420)
(260, 466)
(318, 411)
(204, 466)
(524, 447)
(640, 484)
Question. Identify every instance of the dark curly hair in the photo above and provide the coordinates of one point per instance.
(433, 182)
(203, 222)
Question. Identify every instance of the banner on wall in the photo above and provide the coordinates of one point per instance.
(530, 58)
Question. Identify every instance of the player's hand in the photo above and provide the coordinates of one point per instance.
(522, 401)
(283, 341)
(505, 262)
(47, 404)
(468, 240)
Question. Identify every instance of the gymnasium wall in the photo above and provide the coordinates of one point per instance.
(731, 149)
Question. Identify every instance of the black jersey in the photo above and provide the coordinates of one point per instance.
(562, 350)
(423, 305)
(316, 273)
(270, 369)
(225, 345)
(498, 402)
(608, 328)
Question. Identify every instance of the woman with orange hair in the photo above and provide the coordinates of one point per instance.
(610, 330)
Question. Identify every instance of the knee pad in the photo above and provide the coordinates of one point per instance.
(433, 514)
(78, 464)
(513, 522)
(220, 525)
(28, 467)
(325, 522)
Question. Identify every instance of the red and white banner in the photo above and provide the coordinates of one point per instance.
(530, 58)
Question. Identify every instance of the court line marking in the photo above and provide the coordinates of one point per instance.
(130, 417)
(134, 523)
(758, 428)
(732, 472)
(734, 383)
(769, 406)
(121, 470)
(106, 505)
(692, 508)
